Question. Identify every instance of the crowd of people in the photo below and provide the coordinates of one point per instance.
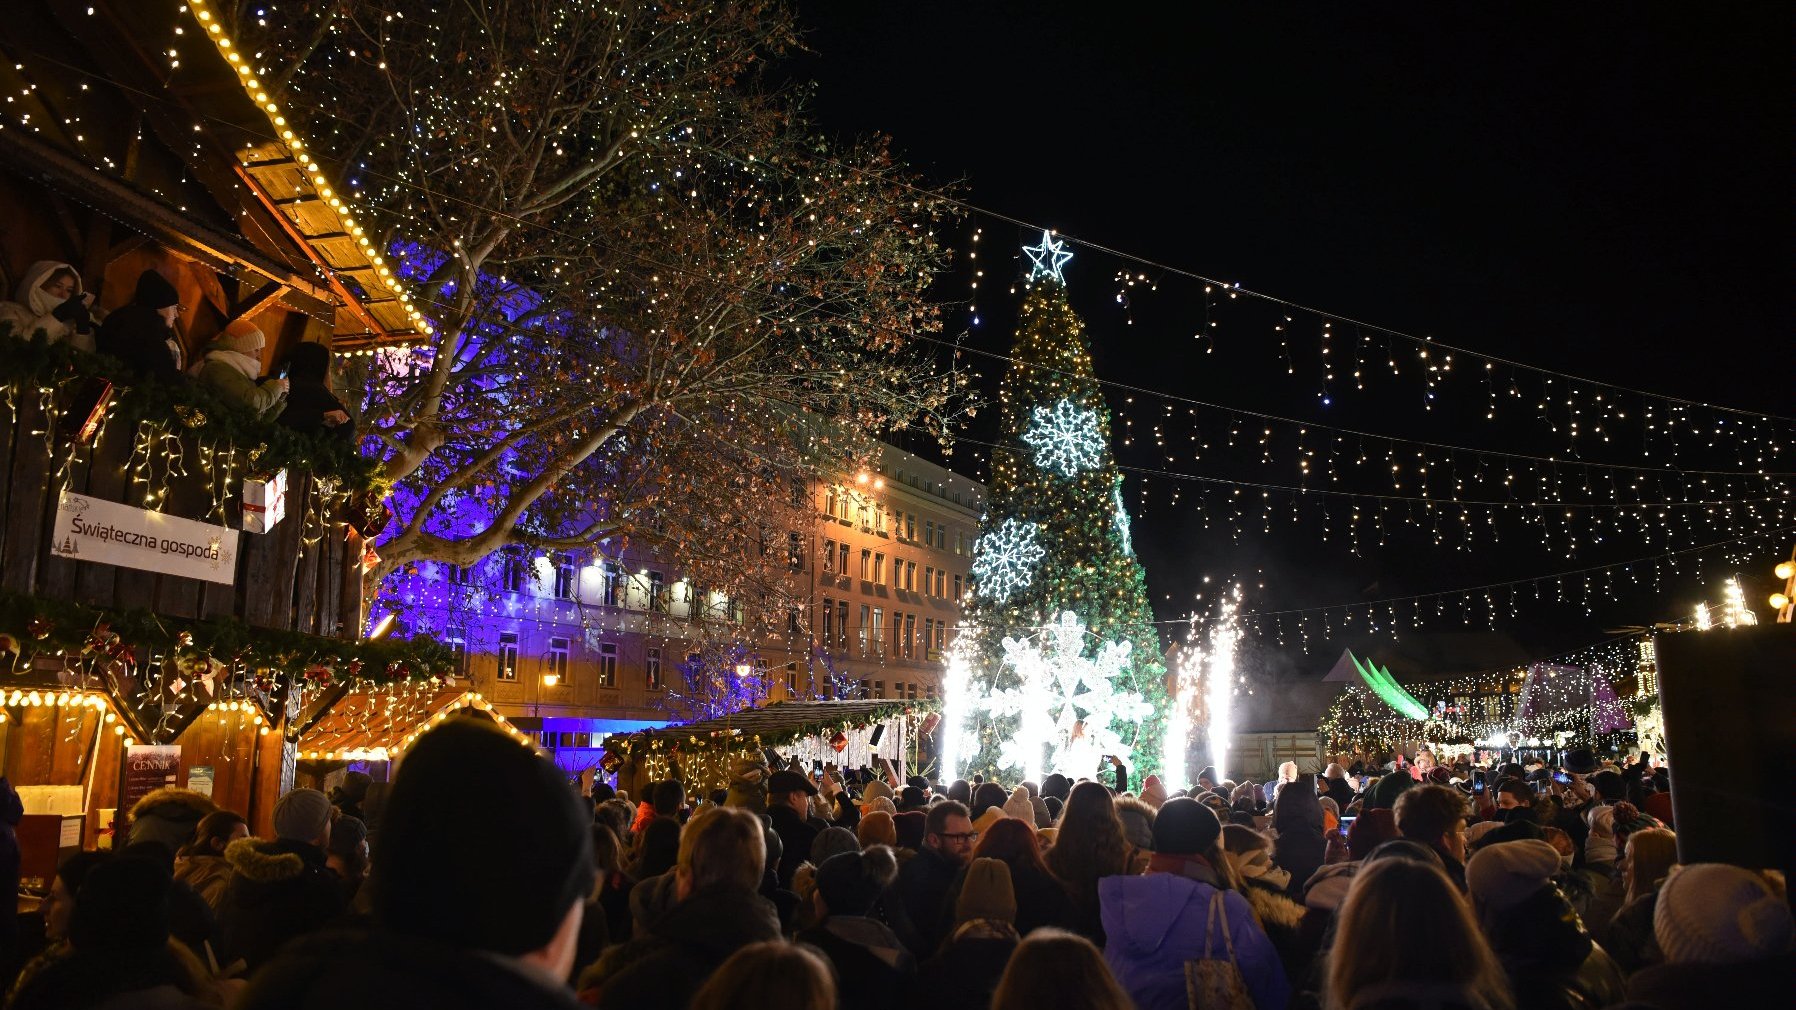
(494, 882)
(142, 335)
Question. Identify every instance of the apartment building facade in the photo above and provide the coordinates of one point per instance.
(579, 650)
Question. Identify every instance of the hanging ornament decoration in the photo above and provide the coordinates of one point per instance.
(1045, 260)
(1004, 559)
(1066, 439)
(838, 742)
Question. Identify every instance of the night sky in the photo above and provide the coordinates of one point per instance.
(1599, 189)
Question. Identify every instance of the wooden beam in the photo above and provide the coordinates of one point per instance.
(350, 301)
(259, 299)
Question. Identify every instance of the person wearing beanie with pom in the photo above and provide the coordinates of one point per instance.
(1183, 910)
(141, 333)
(1153, 792)
(479, 887)
(1728, 940)
(965, 974)
(1550, 959)
(872, 965)
(232, 368)
(877, 828)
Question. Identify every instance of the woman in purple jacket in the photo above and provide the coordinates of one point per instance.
(1158, 923)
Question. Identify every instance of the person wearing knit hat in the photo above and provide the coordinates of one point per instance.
(1158, 922)
(986, 893)
(830, 842)
(876, 828)
(1727, 936)
(1038, 809)
(1138, 830)
(912, 798)
(1019, 807)
(876, 789)
(232, 368)
(1153, 792)
(498, 931)
(870, 961)
(878, 804)
(141, 332)
(1475, 833)
(1057, 786)
(910, 827)
(965, 973)
(347, 854)
(1384, 792)
(1538, 938)
(985, 796)
(303, 815)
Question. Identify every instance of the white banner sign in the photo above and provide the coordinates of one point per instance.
(91, 529)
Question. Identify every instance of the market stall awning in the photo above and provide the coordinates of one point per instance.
(379, 725)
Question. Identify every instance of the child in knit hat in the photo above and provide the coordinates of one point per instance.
(1727, 936)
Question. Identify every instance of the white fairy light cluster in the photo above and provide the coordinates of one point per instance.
(1065, 437)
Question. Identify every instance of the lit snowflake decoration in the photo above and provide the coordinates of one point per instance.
(1005, 558)
(1068, 702)
(1065, 438)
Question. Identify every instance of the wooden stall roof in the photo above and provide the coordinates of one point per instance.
(204, 103)
(785, 720)
(377, 725)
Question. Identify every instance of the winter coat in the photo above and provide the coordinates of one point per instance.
(965, 975)
(797, 835)
(1041, 899)
(278, 890)
(666, 965)
(614, 902)
(208, 876)
(168, 816)
(650, 899)
(1156, 923)
(162, 978)
(1282, 919)
(1630, 939)
(873, 970)
(921, 912)
(363, 970)
(34, 309)
(309, 398)
(136, 335)
(232, 375)
(1764, 983)
(1552, 963)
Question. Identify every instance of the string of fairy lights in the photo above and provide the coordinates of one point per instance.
(1668, 504)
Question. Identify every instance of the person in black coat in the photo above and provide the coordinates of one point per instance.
(965, 974)
(311, 406)
(280, 889)
(141, 333)
(788, 807)
(873, 970)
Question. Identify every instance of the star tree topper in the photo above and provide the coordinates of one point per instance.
(1065, 438)
(1047, 259)
(1005, 558)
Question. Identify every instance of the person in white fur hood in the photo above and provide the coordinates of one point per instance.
(232, 368)
(49, 298)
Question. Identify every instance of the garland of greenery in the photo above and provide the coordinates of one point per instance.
(186, 407)
(700, 737)
(32, 625)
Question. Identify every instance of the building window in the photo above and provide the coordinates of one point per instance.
(929, 532)
(866, 518)
(829, 502)
(608, 664)
(652, 666)
(929, 691)
(791, 680)
(842, 622)
(879, 568)
(941, 582)
(609, 577)
(794, 552)
(928, 579)
(564, 576)
(508, 655)
(457, 641)
(512, 573)
(866, 689)
(866, 619)
(798, 493)
(866, 563)
(658, 592)
(879, 689)
(941, 536)
(910, 526)
(910, 635)
(957, 589)
(829, 556)
(457, 575)
(793, 625)
(843, 566)
(556, 666)
(960, 542)
(829, 621)
(928, 636)
(910, 691)
(941, 630)
(910, 576)
(878, 634)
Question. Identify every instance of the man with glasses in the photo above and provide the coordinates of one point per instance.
(922, 886)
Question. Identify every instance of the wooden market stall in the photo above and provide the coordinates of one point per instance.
(702, 753)
(373, 727)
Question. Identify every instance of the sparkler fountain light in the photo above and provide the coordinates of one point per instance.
(1178, 720)
(956, 698)
(1225, 637)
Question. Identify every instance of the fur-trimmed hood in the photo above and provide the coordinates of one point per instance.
(267, 862)
(180, 801)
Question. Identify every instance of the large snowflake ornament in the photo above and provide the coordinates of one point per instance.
(1069, 703)
(1005, 557)
(1065, 438)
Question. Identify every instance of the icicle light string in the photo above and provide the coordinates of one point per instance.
(1390, 441)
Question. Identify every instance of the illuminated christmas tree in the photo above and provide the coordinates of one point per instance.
(1056, 541)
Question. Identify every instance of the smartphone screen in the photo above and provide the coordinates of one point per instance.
(1347, 822)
